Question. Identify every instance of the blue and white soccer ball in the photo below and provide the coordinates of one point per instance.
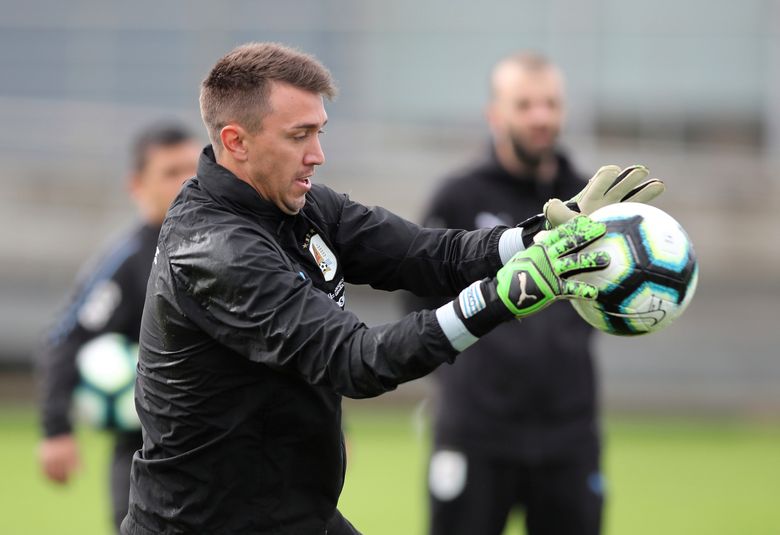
(652, 273)
(107, 371)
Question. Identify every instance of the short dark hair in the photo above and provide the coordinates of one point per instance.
(159, 134)
(238, 86)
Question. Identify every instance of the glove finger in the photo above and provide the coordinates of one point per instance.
(557, 213)
(629, 179)
(573, 289)
(599, 184)
(580, 263)
(645, 192)
(542, 234)
(572, 235)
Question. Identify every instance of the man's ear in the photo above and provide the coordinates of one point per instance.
(491, 116)
(133, 184)
(232, 137)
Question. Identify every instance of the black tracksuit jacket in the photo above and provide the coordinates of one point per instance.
(246, 351)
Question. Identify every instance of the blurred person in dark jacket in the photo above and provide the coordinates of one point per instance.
(523, 430)
(108, 298)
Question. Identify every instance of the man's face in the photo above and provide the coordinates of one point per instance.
(527, 110)
(157, 184)
(283, 154)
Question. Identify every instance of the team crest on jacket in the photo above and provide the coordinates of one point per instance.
(324, 257)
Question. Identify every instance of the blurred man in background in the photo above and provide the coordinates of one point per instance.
(109, 297)
(518, 428)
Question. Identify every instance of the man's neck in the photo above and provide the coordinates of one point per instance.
(234, 167)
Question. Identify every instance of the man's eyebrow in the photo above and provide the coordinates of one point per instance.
(308, 126)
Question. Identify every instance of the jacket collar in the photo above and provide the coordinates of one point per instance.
(224, 186)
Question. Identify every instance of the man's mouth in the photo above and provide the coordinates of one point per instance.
(304, 181)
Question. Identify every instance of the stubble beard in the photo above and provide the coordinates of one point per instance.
(531, 160)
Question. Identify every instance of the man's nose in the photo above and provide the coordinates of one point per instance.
(315, 154)
(542, 114)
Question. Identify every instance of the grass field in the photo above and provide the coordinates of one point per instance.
(665, 477)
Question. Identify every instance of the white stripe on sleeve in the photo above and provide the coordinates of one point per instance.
(453, 327)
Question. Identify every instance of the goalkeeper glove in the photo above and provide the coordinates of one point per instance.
(609, 185)
(530, 281)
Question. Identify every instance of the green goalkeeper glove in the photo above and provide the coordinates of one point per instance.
(530, 281)
(534, 278)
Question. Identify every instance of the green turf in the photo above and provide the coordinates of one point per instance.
(665, 477)
(32, 506)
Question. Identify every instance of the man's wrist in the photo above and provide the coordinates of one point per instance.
(474, 313)
(53, 429)
(511, 242)
(454, 329)
(530, 228)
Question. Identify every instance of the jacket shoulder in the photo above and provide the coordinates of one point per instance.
(455, 195)
(113, 257)
(461, 183)
(199, 231)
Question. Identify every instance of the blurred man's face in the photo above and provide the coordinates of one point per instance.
(527, 111)
(283, 155)
(157, 184)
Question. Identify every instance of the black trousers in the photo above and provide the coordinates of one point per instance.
(125, 445)
(471, 493)
(337, 525)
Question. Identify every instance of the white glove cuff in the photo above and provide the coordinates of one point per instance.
(453, 327)
(510, 243)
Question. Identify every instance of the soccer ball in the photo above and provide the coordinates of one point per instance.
(652, 274)
(104, 395)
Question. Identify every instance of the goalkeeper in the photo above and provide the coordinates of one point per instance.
(246, 348)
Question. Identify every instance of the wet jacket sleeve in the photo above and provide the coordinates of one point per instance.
(255, 303)
(379, 248)
(448, 210)
(99, 305)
